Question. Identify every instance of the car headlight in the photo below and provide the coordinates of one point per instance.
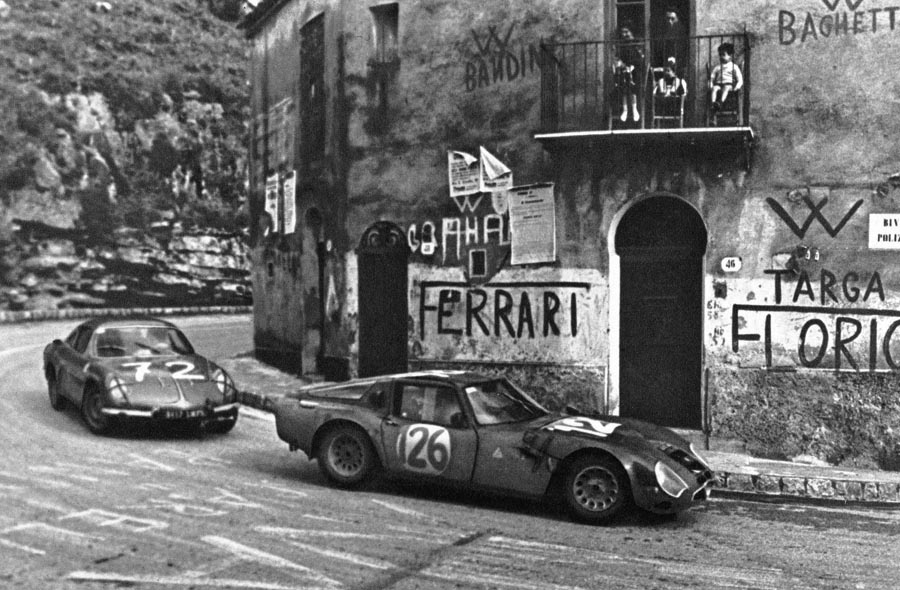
(669, 481)
(224, 384)
(118, 392)
(699, 456)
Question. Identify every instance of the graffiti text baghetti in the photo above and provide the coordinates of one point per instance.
(800, 28)
(501, 310)
(496, 60)
(829, 335)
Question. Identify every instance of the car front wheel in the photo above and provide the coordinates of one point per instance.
(596, 489)
(92, 411)
(346, 456)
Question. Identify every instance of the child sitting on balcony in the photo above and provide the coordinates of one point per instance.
(629, 57)
(670, 84)
(725, 77)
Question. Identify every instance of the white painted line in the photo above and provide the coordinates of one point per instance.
(492, 580)
(62, 471)
(24, 548)
(47, 482)
(11, 487)
(103, 470)
(255, 414)
(306, 533)
(232, 499)
(289, 491)
(50, 530)
(317, 517)
(104, 518)
(400, 509)
(82, 576)
(144, 461)
(353, 558)
(251, 554)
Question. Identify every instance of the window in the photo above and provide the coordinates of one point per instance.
(428, 403)
(81, 341)
(386, 18)
(663, 24)
(312, 89)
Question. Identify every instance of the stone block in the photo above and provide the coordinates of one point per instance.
(820, 488)
(740, 482)
(768, 484)
(889, 492)
(871, 491)
(849, 490)
(793, 486)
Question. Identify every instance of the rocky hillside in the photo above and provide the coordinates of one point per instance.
(122, 153)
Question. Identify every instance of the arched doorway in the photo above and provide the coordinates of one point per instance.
(661, 242)
(383, 304)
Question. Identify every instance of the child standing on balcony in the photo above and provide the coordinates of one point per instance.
(629, 57)
(725, 77)
(670, 84)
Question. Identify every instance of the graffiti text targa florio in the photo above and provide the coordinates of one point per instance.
(798, 27)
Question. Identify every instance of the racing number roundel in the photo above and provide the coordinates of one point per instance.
(424, 448)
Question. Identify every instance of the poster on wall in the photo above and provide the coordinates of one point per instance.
(532, 224)
(290, 204)
(884, 231)
(463, 170)
(494, 175)
(272, 200)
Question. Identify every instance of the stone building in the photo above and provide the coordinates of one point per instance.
(722, 266)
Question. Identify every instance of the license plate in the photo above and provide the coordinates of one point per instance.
(176, 414)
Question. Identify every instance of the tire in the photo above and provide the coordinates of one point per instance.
(223, 426)
(346, 456)
(91, 410)
(57, 401)
(596, 489)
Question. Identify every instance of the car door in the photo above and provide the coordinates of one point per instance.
(426, 433)
(72, 360)
(504, 462)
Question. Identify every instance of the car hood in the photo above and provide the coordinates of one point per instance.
(613, 430)
(168, 379)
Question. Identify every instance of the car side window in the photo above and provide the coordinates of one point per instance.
(70, 339)
(81, 341)
(429, 403)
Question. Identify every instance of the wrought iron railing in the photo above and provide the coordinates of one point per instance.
(579, 90)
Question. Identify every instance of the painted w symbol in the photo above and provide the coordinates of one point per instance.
(469, 202)
(815, 213)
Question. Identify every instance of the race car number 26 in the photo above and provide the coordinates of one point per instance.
(424, 448)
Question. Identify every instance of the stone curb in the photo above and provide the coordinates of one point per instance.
(13, 317)
(765, 487)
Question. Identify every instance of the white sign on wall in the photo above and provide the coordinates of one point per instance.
(532, 224)
(884, 231)
(290, 204)
(272, 200)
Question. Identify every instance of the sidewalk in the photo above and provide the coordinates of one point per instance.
(738, 475)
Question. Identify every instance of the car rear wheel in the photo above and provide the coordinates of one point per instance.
(346, 456)
(92, 411)
(596, 489)
(57, 401)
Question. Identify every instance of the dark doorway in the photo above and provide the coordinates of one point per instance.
(383, 306)
(661, 242)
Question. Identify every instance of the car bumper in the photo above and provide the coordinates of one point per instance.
(653, 499)
(215, 414)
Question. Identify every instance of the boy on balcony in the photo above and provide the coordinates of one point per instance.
(725, 77)
(629, 57)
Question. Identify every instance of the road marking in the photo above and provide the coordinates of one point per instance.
(82, 576)
(232, 499)
(492, 580)
(283, 490)
(104, 518)
(196, 460)
(351, 557)
(139, 460)
(24, 548)
(62, 471)
(48, 482)
(400, 509)
(252, 554)
(305, 533)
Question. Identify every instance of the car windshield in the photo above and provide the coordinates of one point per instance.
(141, 341)
(501, 402)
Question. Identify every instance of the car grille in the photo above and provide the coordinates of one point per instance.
(690, 462)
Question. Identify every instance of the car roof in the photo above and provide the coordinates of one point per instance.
(143, 320)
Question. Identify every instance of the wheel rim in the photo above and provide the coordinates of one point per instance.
(596, 489)
(94, 410)
(345, 455)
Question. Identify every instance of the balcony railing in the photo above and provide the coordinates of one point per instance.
(579, 90)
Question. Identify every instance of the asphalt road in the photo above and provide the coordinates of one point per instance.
(156, 509)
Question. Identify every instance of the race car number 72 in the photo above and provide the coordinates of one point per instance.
(185, 372)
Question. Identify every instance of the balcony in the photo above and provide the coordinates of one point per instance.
(582, 103)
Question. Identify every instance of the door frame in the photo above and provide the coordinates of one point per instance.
(613, 369)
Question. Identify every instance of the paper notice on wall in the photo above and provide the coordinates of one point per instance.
(272, 201)
(290, 204)
(532, 224)
(463, 170)
(884, 231)
(494, 175)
